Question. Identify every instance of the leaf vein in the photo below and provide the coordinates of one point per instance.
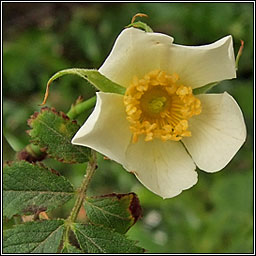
(61, 135)
(47, 238)
(92, 241)
(107, 212)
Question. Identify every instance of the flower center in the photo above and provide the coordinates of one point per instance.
(158, 106)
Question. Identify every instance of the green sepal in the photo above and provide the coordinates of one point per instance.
(140, 25)
(94, 77)
(204, 88)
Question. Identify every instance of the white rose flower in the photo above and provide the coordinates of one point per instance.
(159, 130)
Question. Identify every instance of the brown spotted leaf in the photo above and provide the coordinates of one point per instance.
(54, 130)
(31, 188)
(115, 211)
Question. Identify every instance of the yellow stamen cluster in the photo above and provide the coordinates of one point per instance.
(158, 106)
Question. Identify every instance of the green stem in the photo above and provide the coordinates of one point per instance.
(81, 107)
(91, 167)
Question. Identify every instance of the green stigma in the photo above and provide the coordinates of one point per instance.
(156, 105)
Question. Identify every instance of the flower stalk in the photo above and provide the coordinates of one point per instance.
(77, 109)
(91, 167)
(81, 193)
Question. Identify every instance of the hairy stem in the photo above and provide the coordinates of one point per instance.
(91, 167)
(81, 107)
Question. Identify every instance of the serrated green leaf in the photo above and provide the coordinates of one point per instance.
(54, 131)
(95, 239)
(93, 76)
(34, 237)
(115, 211)
(68, 248)
(204, 88)
(31, 188)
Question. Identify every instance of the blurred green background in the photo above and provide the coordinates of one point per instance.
(39, 39)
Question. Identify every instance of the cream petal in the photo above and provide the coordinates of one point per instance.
(106, 130)
(135, 53)
(217, 133)
(165, 168)
(200, 65)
